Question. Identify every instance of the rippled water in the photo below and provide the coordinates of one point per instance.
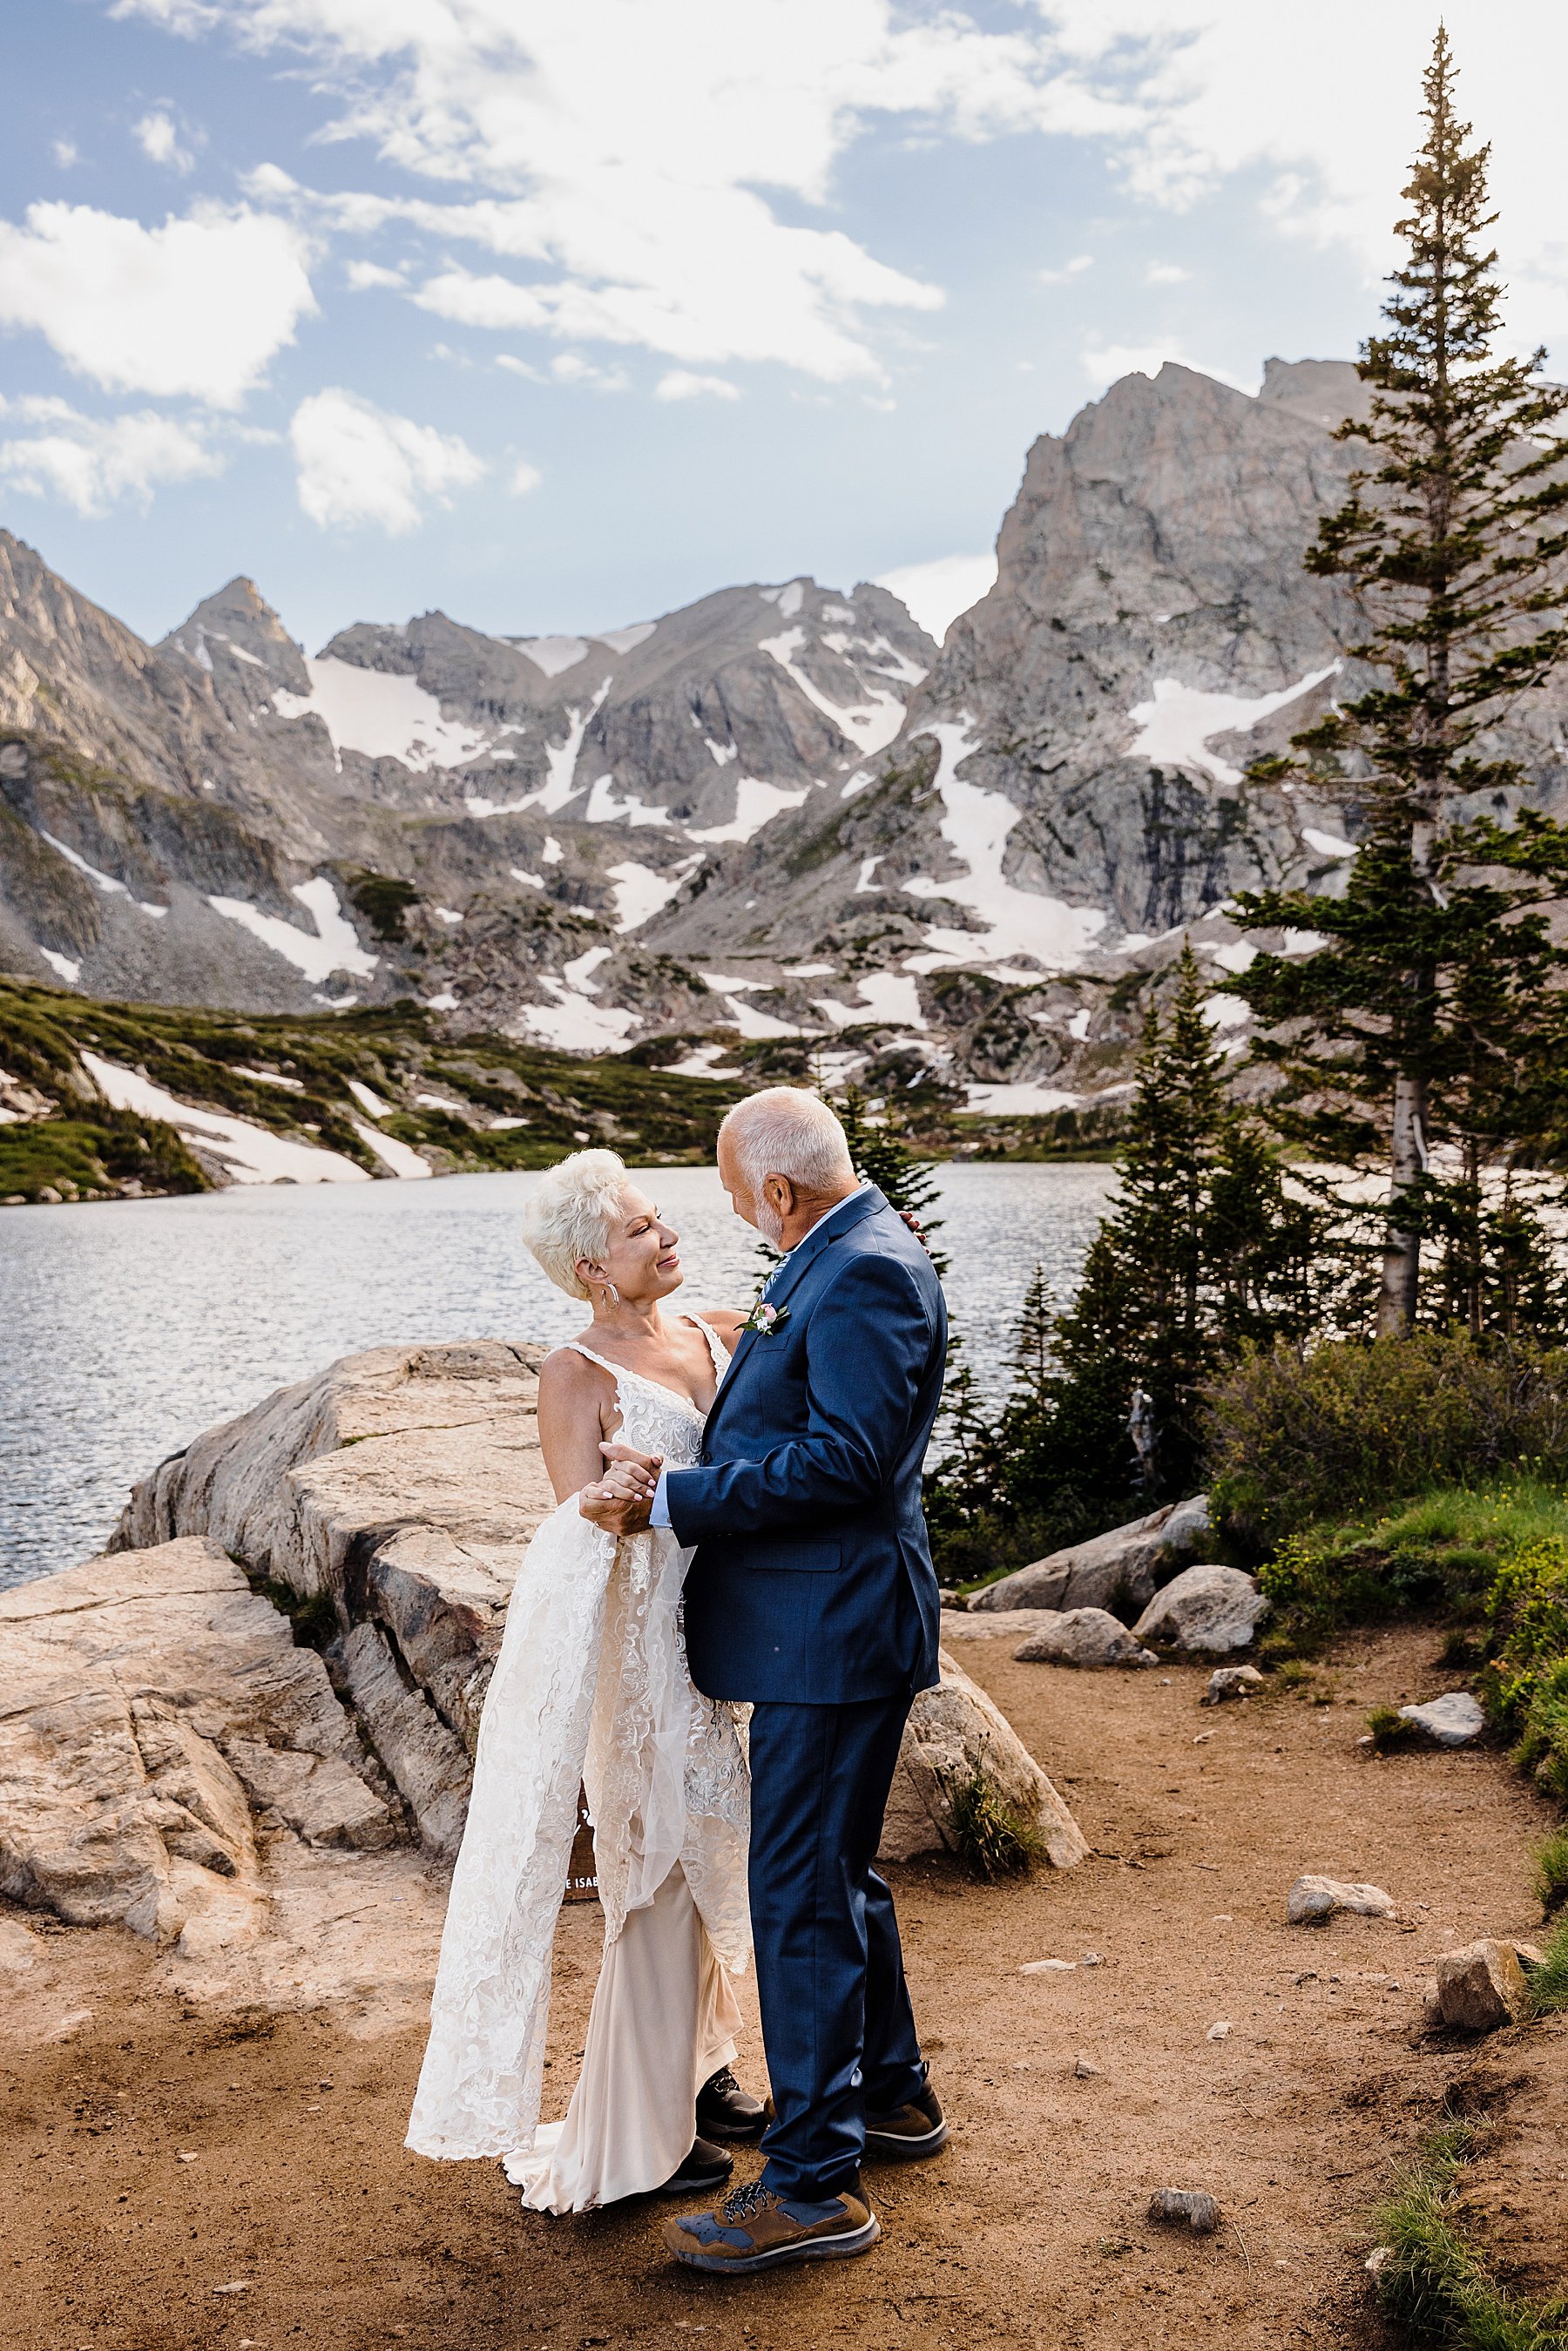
(128, 1327)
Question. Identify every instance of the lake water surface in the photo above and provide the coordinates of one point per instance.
(127, 1327)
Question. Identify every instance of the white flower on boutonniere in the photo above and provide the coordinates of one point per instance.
(764, 1320)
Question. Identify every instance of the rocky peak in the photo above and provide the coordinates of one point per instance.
(235, 631)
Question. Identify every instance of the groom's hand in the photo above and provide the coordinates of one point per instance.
(621, 1500)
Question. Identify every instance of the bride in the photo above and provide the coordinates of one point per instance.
(591, 1687)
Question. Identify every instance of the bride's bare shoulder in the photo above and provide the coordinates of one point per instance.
(565, 1373)
(728, 1320)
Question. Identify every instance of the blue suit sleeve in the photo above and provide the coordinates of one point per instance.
(868, 1346)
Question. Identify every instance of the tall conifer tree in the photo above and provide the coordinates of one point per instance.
(1425, 1016)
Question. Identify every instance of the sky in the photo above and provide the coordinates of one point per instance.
(555, 315)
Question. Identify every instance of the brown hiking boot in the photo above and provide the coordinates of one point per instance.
(754, 2229)
(910, 2133)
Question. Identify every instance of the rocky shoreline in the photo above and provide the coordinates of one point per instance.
(253, 1720)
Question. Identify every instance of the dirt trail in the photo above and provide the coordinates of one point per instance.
(1031, 2229)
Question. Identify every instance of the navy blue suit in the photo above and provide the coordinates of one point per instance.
(812, 1595)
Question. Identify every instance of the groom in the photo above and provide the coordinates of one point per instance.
(812, 1596)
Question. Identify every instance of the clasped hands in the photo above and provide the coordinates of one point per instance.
(621, 1500)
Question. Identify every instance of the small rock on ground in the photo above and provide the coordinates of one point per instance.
(1085, 2072)
(1085, 1636)
(1313, 1898)
(1451, 1720)
(1480, 1987)
(1231, 1681)
(1190, 2208)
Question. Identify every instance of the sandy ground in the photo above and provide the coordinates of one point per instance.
(158, 2152)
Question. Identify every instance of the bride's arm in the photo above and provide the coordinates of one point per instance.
(576, 1399)
(728, 1321)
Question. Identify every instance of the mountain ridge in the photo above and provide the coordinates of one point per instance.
(780, 814)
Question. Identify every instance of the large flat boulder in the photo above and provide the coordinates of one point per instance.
(1118, 1571)
(158, 1723)
(403, 1486)
(956, 1733)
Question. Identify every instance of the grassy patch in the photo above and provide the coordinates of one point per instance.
(232, 1063)
(992, 1838)
(1551, 1871)
(1442, 1549)
(1549, 1981)
(1439, 2283)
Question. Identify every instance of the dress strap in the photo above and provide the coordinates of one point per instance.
(616, 1371)
(722, 1358)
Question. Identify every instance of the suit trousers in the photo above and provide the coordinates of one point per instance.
(836, 2019)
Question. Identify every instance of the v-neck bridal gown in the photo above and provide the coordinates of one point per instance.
(591, 1685)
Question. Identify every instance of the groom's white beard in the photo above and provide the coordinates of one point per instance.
(771, 1225)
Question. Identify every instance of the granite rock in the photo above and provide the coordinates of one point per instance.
(1313, 1899)
(1085, 1636)
(1204, 1611)
(955, 1733)
(1481, 1986)
(1117, 1569)
(1454, 1720)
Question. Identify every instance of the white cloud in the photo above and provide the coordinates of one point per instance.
(364, 275)
(1165, 273)
(936, 592)
(160, 142)
(1103, 363)
(196, 307)
(359, 464)
(679, 384)
(91, 463)
(523, 478)
(65, 152)
(570, 367)
(1069, 270)
(631, 157)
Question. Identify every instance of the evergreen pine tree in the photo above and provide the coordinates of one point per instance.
(1425, 1019)
(902, 1177)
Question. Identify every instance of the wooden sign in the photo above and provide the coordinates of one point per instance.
(581, 1875)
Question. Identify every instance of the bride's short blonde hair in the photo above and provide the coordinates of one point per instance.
(571, 1216)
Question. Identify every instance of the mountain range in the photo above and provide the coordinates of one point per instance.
(781, 814)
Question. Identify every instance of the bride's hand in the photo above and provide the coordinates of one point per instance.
(633, 1472)
(618, 1508)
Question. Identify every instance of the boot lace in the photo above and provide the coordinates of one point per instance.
(744, 2203)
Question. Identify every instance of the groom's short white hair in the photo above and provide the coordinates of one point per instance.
(784, 1130)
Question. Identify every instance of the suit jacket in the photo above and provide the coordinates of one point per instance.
(812, 1581)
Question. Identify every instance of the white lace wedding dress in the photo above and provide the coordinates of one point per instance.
(591, 1687)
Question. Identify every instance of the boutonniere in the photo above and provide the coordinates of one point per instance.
(764, 1320)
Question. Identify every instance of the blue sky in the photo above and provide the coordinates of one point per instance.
(556, 317)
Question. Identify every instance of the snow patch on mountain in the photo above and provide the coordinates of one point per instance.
(640, 891)
(871, 723)
(553, 655)
(625, 640)
(380, 715)
(250, 1154)
(334, 946)
(756, 804)
(885, 996)
(1180, 721)
(1022, 922)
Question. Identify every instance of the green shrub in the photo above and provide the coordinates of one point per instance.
(991, 1836)
(1443, 1551)
(1525, 1685)
(1346, 1430)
